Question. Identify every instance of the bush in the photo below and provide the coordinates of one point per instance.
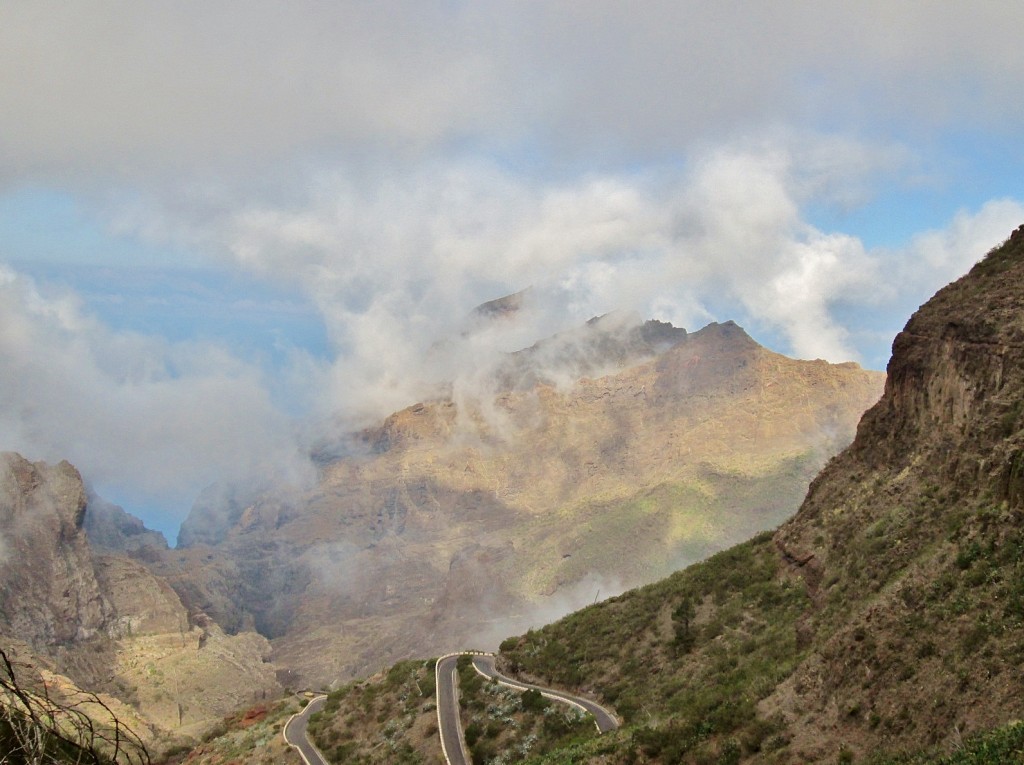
(533, 701)
(36, 728)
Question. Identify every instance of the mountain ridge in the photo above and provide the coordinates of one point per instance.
(537, 496)
(881, 623)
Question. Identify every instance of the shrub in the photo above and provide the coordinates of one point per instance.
(533, 701)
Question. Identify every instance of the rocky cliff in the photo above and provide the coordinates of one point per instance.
(607, 458)
(883, 622)
(49, 595)
(924, 512)
(103, 622)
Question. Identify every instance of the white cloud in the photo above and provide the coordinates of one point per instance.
(948, 253)
(126, 88)
(129, 410)
(395, 265)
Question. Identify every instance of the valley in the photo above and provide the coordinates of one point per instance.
(880, 623)
(454, 522)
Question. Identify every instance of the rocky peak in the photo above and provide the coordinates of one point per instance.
(49, 596)
(603, 345)
(909, 541)
(111, 529)
(502, 307)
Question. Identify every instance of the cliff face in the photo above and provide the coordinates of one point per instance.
(467, 517)
(49, 595)
(910, 542)
(104, 622)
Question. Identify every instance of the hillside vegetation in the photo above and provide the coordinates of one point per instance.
(684, 662)
(883, 623)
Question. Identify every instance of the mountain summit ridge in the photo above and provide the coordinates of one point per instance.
(538, 495)
(883, 620)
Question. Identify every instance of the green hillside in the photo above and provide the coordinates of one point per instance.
(882, 624)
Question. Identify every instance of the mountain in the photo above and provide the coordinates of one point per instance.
(101, 622)
(111, 529)
(593, 461)
(883, 622)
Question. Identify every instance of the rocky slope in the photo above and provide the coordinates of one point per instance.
(103, 622)
(608, 457)
(111, 529)
(50, 597)
(885, 617)
(925, 513)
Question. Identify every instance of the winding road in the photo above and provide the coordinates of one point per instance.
(448, 720)
(605, 720)
(295, 733)
(449, 724)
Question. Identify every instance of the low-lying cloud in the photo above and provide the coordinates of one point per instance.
(130, 410)
(394, 266)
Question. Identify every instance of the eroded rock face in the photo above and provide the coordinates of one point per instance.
(49, 595)
(909, 542)
(106, 621)
(611, 457)
(143, 604)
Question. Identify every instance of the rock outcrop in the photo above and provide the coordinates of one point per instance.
(49, 595)
(910, 542)
(104, 622)
(591, 462)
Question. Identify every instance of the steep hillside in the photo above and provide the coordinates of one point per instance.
(111, 529)
(886, 617)
(464, 518)
(104, 623)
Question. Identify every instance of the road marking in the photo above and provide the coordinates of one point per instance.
(458, 716)
(455, 692)
(547, 693)
(519, 687)
(296, 747)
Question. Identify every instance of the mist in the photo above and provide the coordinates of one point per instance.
(394, 270)
(392, 168)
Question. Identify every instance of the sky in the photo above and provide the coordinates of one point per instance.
(231, 230)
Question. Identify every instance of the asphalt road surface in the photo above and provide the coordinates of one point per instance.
(604, 719)
(448, 722)
(295, 733)
(450, 725)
